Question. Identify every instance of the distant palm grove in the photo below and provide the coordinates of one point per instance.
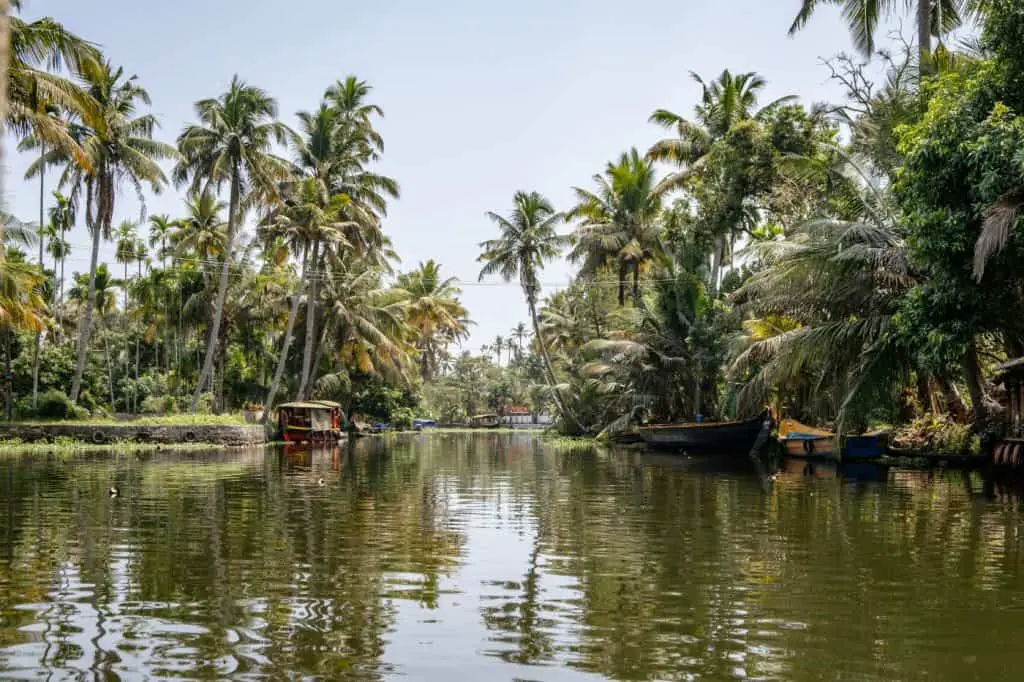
(849, 264)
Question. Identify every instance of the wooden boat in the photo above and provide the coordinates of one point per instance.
(732, 437)
(800, 440)
(313, 421)
(485, 421)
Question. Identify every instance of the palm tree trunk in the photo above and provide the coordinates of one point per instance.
(975, 387)
(222, 291)
(110, 374)
(307, 354)
(622, 286)
(716, 265)
(318, 355)
(636, 285)
(60, 297)
(42, 217)
(282, 360)
(86, 323)
(924, 35)
(137, 335)
(8, 385)
(563, 409)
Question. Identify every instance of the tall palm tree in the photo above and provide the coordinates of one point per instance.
(619, 221)
(527, 240)
(200, 238)
(724, 102)
(160, 229)
(62, 220)
(498, 347)
(348, 98)
(36, 49)
(232, 143)
(519, 334)
(336, 147)
(433, 310)
(934, 18)
(96, 290)
(365, 322)
(120, 148)
(125, 251)
(308, 214)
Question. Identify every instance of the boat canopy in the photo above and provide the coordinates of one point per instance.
(311, 405)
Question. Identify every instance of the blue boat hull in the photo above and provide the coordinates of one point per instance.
(864, 447)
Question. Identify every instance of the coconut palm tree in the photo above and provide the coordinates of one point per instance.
(348, 98)
(365, 323)
(201, 236)
(336, 146)
(34, 93)
(619, 224)
(309, 214)
(933, 18)
(824, 307)
(126, 251)
(433, 310)
(527, 240)
(59, 249)
(498, 348)
(520, 333)
(232, 144)
(62, 220)
(160, 229)
(120, 148)
(96, 290)
(724, 102)
(21, 300)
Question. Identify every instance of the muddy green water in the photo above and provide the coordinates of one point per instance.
(495, 557)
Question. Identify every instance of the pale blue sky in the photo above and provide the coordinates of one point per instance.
(481, 98)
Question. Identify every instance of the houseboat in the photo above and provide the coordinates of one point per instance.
(312, 421)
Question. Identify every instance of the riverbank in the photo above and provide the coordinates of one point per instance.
(140, 432)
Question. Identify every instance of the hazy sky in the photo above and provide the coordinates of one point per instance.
(481, 98)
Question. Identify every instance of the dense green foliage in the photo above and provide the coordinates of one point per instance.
(845, 264)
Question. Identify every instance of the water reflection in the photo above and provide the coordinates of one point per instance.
(495, 557)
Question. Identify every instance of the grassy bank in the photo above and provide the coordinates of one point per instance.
(153, 420)
(63, 445)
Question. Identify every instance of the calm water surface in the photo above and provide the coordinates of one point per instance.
(495, 557)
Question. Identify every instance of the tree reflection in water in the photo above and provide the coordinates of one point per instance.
(482, 555)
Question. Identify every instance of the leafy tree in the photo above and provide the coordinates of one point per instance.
(433, 310)
(618, 221)
(232, 144)
(120, 148)
(527, 240)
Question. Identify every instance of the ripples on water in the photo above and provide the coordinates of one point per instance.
(446, 557)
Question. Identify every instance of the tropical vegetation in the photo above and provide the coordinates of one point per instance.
(846, 264)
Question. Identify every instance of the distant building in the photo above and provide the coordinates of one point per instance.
(521, 415)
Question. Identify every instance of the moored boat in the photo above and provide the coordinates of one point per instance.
(800, 440)
(313, 421)
(725, 438)
(485, 421)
